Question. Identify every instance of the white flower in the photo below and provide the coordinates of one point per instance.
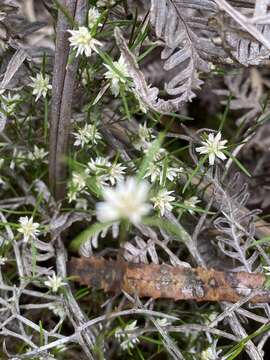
(54, 282)
(213, 147)
(126, 201)
(18, 159)
(155, 171)
(162, 201)
(40, 85)
(123, 334)
(9, 102)
(83, 41)
(93, 15)
(105, 171)
(78, 180)
(76, 184)
(3, 260)
(87, 134)
(37, 154)
(98, 165)
(116, 173)
(191, 203)
(114, 76)
(28, 228)
(172, 172)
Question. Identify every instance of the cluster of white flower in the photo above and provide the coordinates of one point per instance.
(40, 85)
(28, 228)
(9, 102)
(116, 75)
(162, 201)
(105, 171)
(93, 16)
(156, 168)
(88, 134)
(125, 337)
(128, 200)
(76, 185)
(37, 154)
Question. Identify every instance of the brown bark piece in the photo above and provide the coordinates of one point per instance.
(165, 281)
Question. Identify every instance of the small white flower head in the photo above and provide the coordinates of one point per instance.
(105, 171)
(40, 85)
(37, 154)
(54, 282)
(93, 15)
(128, 200)
(162, 201)
(78, 180)
(191, 203)
(153, 171)
(3, 260)
(125, 337)
(76, 184)
(116, 173)
(18, 159)
(87, 134)
(213, 146)
(83, 41)
(115, 77)
(28, 228)
(95, 166)
(9, 103)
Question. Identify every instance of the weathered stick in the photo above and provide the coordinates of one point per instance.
(62, 95)
(165, 281)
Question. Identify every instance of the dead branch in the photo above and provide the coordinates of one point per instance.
(165, 281)
(62, 94)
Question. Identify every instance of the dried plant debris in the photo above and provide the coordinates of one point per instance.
(134, 179)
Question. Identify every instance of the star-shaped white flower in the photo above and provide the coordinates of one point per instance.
(115, 77)
(83, 41)
(116, 173)
(213, 147)
(162, 201)
(128, 200)
(87, 134)
(28, 228)
(40, 85)
(54, 282)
